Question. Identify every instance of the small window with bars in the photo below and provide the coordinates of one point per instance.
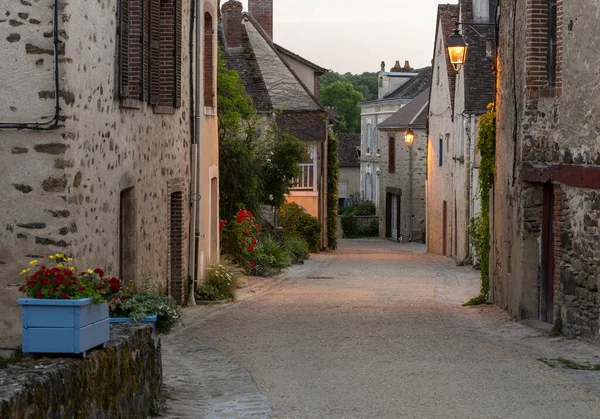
(306, 180)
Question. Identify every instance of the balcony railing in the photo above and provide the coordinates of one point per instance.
(306, 180)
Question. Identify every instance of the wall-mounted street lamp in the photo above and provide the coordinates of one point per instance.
(457, 49)
(409, 137)
(457, 46)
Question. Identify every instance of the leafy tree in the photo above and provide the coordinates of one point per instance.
(343, 96)
(240, 182)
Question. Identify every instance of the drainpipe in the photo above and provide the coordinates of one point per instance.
(195, 223)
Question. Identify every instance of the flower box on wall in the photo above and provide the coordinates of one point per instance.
(63, 326)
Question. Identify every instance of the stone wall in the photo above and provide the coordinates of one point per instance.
(119, 382)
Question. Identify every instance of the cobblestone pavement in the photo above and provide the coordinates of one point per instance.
(374, 330)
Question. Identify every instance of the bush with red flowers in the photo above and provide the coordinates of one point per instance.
(61, 282)
(239, 238)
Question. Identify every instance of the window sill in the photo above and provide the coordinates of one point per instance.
(129, 103)
(210, 110)
(164, 110)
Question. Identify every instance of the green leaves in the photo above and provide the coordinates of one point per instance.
(346, 99)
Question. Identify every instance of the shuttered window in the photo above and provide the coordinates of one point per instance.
(392, 155)
(150, 36)
(209, 72)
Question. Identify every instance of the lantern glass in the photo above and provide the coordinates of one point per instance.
(457, 49)
(409, 137)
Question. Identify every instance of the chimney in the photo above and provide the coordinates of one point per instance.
(407, 65)
(231, 13)
(262, 11)
(396, 68)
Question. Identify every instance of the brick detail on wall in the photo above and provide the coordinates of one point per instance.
(537, 47)
(175, 257)
(209, 61)
(231, 13)
(560, 212)
(262, 11)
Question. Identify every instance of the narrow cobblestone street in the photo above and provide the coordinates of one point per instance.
(375, 330)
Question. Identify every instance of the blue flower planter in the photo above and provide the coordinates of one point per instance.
(63, 326)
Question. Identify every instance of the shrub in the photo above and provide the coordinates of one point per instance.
(297, 248)
(365, 208)
(239, 238)
(349, 225)
(296, 222)
(218, 284)
(271, 255)
(138, 303)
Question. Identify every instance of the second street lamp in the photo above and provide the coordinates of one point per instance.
(409, 138)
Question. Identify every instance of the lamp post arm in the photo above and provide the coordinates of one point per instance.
(472, 24)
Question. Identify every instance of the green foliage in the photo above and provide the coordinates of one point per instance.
(138, 303)
(366, 83)
(476, 237)
(333, 176)
(364, 209)
(343, 96)
(486, 146)
(350, 228)
(218, 284)
(296, 222)
(271, 255)
(240, 184)
(297, 248)
(252, 169)
(13, 358)
(280, 155)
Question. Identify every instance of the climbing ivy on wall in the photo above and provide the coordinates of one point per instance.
(333, 176)
(486, 146)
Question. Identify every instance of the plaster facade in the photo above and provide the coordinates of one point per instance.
(98, 186)
(546, 206)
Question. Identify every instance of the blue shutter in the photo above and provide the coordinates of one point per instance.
(441, 151)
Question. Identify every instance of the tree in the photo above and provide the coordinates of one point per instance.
(343, 96)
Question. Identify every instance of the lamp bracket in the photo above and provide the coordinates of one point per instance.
(472, 24)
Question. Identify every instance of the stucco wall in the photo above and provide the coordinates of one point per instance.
(304, 72)
(72, 177)
(351, 177)
(439, 177)
(400, 179)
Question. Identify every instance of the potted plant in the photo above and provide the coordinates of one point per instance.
(65, 312)
(144, 305)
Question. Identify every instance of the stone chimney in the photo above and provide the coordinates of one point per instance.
(262, 11)
(407, 65)
(231, 13)
(396, 68)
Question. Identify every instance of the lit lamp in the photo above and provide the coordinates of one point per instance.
(457, 49)
(409, 137)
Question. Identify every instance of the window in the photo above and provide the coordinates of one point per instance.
(306, 180)
(376, 140)
(392, 155)
(150, 36)
(441, 152)
(369, 138)
(209, 72)
(552, 31)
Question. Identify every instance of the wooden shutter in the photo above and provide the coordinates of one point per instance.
(155, 52)
(392, 155)
(124, 90)
(178, 40)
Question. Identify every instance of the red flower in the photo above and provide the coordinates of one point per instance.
(252, 265)
(257, 227)
(45, 282)
(81, 288)
(39, 294)
(251, 248)
(65, 296)
(254, 241)
(101, 288)
(67, 283)
(21, 288)
(99, 271)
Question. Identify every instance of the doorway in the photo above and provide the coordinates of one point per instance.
(547, 270)
(445, 228)
(393, 213)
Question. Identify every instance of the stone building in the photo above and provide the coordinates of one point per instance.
(397, 88)
(545, 253)
(458, 100)
(284, 88)
(99, 144)
(402, 179)
(349, 181)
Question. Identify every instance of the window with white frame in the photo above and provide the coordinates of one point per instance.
(368, 184)
(307, 180)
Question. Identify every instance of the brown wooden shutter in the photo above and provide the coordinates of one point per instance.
(209, 76)
(155, 52)
(392, 155)
(124, 89)
(178, 40)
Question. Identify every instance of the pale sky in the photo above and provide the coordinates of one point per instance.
(356, 35)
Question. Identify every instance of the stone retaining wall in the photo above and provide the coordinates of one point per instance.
(119, 382)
